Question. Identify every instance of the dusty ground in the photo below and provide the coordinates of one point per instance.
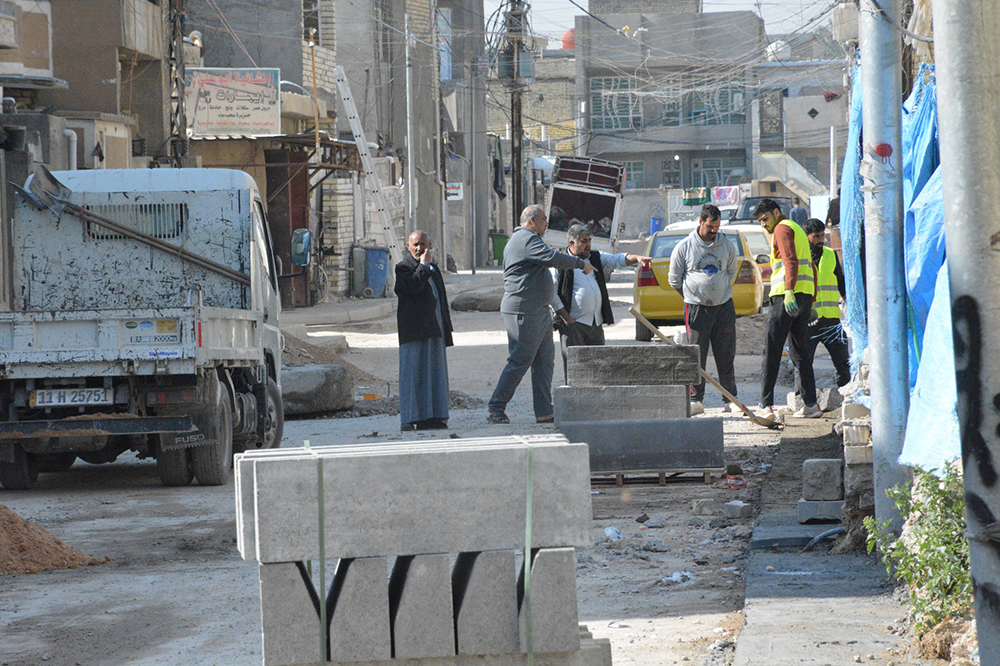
(175, 591)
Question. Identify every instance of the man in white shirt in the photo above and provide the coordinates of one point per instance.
(581, 301)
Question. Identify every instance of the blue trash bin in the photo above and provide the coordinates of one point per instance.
(655, 224)
(376, 271)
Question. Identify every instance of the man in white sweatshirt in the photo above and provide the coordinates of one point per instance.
(703, 267)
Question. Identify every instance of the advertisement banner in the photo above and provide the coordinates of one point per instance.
(232, 102)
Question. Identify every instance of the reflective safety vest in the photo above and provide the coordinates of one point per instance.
(827, 304)
(806, 281)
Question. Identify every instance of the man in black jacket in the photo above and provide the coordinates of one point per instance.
(581, 300)
(423, 324)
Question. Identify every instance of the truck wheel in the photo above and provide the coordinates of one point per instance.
(275, 427)
(56, 462)
(213, 463)
(642, 334)
(174, 467)
(20, 474)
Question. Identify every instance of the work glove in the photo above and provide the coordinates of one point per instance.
(791, 305)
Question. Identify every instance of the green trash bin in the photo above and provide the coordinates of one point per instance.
(499, 242)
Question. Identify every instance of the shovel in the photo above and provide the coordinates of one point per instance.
(767, 423)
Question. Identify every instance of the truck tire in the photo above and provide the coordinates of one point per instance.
(642, 334)
(20, 474)
(174, 467)
(275, 427)
(213, 463)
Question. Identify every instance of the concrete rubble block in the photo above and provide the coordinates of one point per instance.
(478, 300)
(614, 403)
(829, 399)
(554, 619)
(484, 586)
(793, 401)
(362, 520)
(334, 343)
(820, 510)
(858, 455)
(704, 507)
(737, 509)
(859, 487)
(823, 479)
(632, 365)
(666, 444)
(289, 615)
(315, 389)
(358, 612)
(857, 434)
(420, 607)
(854, 410)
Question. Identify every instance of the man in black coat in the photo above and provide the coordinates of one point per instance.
(423, 324)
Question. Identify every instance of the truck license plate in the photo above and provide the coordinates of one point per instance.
(69, 397)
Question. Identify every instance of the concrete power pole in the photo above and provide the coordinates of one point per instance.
(966, 52)
(175, 59)
(515, 36)
(411, 143)
(881, 84)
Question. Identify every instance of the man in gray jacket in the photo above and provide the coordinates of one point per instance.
(528, 291)
(702, 269)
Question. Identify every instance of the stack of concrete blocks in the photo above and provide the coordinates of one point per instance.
(859, 476)
(631, 404)
(424, 535)
(822, 490)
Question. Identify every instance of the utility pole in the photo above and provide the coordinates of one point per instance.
(411, 144)
(833, 162)
(175, 57)
(515, 38)
(881, 84)
(966, 52)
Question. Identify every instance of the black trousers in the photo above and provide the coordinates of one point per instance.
(779, 327)
(715, 325)
(578, 335)
(829, 333)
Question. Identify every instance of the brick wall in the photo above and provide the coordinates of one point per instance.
(338, 231)
(325, 64)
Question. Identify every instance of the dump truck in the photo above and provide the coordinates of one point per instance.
(588, 190)
(140, 312)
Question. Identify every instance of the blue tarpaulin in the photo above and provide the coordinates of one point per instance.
(852, 215)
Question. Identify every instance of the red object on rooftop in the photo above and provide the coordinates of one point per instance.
(569, 39)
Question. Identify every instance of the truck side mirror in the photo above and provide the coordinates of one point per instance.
(301, 247)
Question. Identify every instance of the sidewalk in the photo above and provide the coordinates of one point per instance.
(811, 608)
(337, 310)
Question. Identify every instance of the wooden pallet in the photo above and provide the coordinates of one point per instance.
(643, 476)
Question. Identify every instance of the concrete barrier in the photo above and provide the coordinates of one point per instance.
(632, 446)
(632, 365)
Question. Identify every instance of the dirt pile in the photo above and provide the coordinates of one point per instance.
(299, 352)
(26, 548)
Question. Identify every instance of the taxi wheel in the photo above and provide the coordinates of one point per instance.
(642, 334)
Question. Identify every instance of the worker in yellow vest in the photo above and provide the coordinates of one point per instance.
(827, 328)
(793, 287)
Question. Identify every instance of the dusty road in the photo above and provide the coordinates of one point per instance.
(175, 591)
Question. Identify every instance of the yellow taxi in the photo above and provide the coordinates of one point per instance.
(759, 240)
(658, 302)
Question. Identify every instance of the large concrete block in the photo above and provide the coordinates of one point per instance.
(615, 403)
(406, 500)
(632, 365)
(820, 511)
(551, 602)
(289, 615)
(359, 611)
(420, 607)
(632, 446)
(484, 586)
(859, 487)
(315, 389)
(822, 479)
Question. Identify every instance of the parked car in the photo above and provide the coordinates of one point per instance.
(759, 240)
(744, 214)
(658, 302)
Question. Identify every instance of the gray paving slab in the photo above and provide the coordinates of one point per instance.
(420, 607)
(820, 510)
(614, 403)
(553, 605)
(781, 529)
(629, 365)
(290, 620)
(823, 479)
(668, 444)
(358, 612)
(441, 502)
(484, 586)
